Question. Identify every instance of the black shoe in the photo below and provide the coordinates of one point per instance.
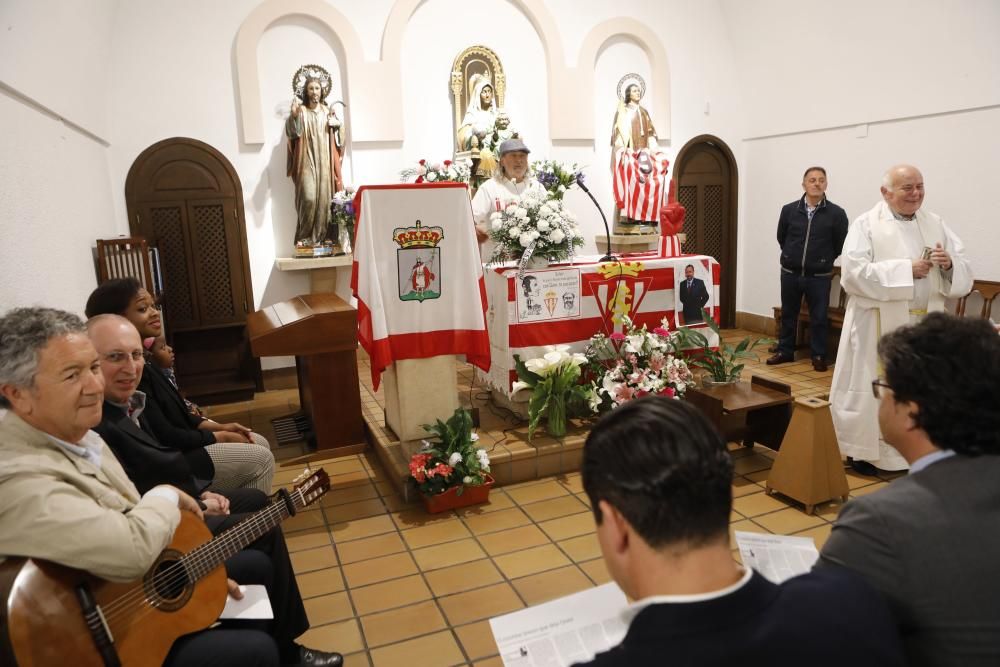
(819, 364)
(779, 358)
(309, 657)
(863, 467)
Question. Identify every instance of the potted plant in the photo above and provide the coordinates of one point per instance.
(554, 380)
(723, 365)
(633, 364)
(451, 470)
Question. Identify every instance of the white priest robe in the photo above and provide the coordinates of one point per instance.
(877, 274)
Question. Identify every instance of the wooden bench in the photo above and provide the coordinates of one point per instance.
(986, 290)
(834, 316)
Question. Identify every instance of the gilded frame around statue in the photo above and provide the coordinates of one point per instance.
(473, 60)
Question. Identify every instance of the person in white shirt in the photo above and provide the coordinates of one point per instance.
(510, 180)
(659, 481)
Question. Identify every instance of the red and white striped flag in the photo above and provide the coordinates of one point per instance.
(639, 194)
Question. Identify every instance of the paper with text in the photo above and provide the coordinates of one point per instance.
(255, 604)
(777, 557)
(561, 632)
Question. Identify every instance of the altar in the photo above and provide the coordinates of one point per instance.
(567, 303)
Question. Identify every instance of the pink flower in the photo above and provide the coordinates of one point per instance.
(668, 392)
(660, 331)
(617, 336)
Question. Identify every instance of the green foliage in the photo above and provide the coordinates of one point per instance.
(432, 468)
(551, 392)
(723, 365)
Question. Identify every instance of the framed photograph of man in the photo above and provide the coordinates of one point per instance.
(694, 292)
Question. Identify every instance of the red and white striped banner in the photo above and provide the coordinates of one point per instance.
(639, 194)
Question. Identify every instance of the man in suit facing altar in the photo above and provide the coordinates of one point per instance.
(659, 481)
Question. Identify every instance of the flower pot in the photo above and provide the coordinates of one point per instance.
(707, 382)
(536, 262)
(555, 418)
(449, 500)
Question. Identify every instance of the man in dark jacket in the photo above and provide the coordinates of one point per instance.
(811, 233)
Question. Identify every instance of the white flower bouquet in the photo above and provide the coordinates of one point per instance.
(554, 380)
(436, 172)
(534, 224)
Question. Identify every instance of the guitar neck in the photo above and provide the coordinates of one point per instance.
(207, 557)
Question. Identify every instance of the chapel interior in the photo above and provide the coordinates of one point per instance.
(97, 97)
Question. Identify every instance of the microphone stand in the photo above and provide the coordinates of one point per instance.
(608, 257)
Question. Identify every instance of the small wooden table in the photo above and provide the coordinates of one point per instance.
(747, 412)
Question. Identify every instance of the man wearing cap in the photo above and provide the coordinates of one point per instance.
(510, 180)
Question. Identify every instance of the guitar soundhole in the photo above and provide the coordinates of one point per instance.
(167, 583)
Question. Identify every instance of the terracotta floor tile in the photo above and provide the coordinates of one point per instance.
(489, 662)
(351, 494)
(313, 559)
(856, 481)
(437, 650)
(303, 521)
(343, 465)
(495, 521)
(477, 640)
(530, 561)
(328, 608)
(359, 528)
(819, 534)
(308, 539)
(597, 571)
(451, 553)
(498, 501)
(342, 637)
(572, 481)
(546, 586)
(351, 511)
(759, 478)
(743, 486)
(353, 478)
(582, 548)
(436, 533)
(569, 526)
(417, 517)
(514, 539)
(553, 508)
(378, 569)
(370, 547)
(359, 659)
(757, 504)
(480, 603)
(788, 521)
(320, 582)
(464, 577)
(536, 492)
(390, 594)
(403, 623)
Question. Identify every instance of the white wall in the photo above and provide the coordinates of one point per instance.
(856, 89)
(55, 186)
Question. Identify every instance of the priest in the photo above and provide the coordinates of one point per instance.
(899, 263)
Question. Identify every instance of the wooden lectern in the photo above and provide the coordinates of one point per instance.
(321, 331)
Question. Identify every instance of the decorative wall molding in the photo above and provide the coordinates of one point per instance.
(376, 110)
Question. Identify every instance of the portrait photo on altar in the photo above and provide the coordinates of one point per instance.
(693, 292)
(549, 294)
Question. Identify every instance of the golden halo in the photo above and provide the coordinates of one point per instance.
(628, 80)
(311, 72)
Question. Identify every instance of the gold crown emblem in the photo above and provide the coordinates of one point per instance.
(615, 269)
(418, 236)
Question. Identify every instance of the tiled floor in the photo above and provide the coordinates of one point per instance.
(389, 585)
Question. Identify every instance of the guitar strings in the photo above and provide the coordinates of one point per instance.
(194, 564)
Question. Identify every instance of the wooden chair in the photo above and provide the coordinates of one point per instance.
(129, 257)
(988, 290)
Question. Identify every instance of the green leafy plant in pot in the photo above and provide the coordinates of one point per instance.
(725, 364)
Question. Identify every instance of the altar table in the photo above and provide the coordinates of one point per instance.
(568, 303)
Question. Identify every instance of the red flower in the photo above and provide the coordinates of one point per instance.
(447, 163)
(422, 162)
(668, 392)
(617, 336)
(420, 179)
(660, 331)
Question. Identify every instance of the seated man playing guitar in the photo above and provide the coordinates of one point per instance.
(65, 499)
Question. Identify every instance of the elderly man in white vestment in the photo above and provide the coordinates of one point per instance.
(899, 263)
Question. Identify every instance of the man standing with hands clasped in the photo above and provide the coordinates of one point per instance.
(811, 233)
(899, 263)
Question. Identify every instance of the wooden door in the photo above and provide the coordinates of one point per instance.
(184, 197)
(707, 188)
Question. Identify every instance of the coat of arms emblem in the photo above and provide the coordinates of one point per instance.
(418, 261)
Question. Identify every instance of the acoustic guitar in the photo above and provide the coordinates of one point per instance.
(55, 615)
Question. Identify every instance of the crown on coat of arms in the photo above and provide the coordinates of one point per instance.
(612, 270)
(418, 236)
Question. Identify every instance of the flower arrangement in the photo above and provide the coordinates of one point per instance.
(722, 365)
(342, 212)
(633, 364)
(451, 459)
(555, 177)
(534, 224)
(554, 380)
(437, 172)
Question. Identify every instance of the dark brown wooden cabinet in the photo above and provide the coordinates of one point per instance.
(185, 198)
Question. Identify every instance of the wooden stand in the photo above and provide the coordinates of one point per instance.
(321, 331)
(747, 412)
(808, 467)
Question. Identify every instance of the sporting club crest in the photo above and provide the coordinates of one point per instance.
(418, 261)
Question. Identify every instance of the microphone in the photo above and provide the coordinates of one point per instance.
(608, 257)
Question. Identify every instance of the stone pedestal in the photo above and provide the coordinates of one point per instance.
(322, 270)
(417, 392)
